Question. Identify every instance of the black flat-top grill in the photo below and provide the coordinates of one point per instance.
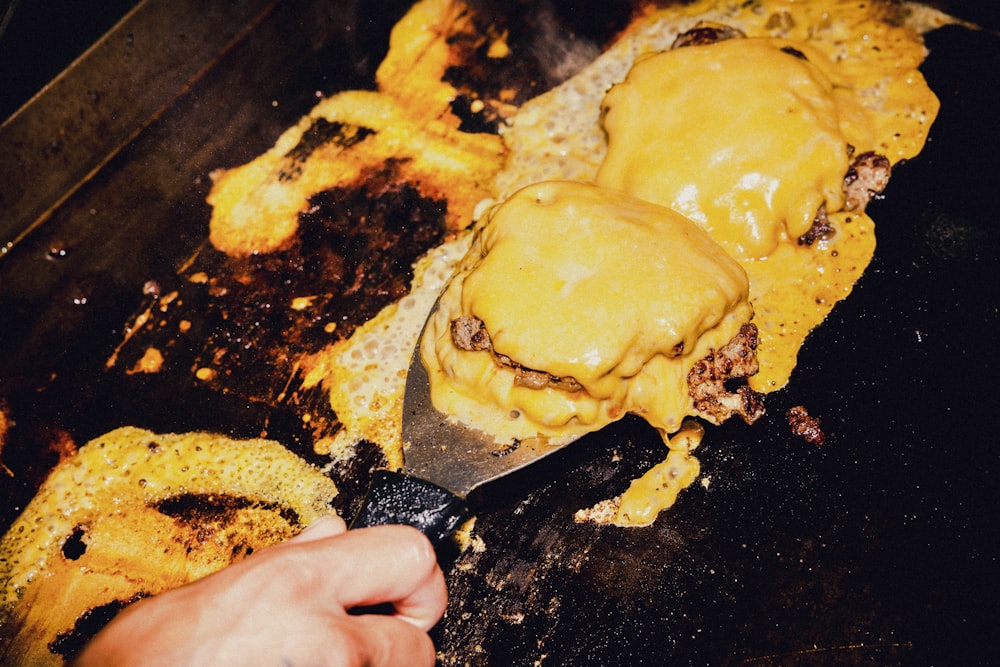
(876, 548)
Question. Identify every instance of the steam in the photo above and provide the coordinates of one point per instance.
(560, 53)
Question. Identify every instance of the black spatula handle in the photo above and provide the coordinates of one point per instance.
(395, 498)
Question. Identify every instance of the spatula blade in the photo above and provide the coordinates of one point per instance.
(439, 449)
(443, 461)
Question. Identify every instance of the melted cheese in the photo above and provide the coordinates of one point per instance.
(740, 136)
(756, 148)
(575, 280)
(862, 83)
(657, 488)
(108, 493)
(822, 275)
(876, 44)
(868, 52)
(418, 56)
(748, 140)
(255, 206)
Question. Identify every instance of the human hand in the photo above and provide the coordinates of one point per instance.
(289, 604)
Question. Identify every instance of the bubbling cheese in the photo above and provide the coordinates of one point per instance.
(579, 281)
(97, 532)
(365, 375)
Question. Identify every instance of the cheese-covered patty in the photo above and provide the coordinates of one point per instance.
(711, 127)
(615, 296)
(559, 135)
(747, 137)
(868, 51)
(764, 152)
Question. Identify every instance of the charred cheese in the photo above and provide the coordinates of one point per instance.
(114, 522)
(256, 206)
(583, 282)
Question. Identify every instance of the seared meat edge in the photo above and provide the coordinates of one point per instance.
(735, 361)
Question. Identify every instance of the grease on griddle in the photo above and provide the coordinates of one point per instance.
(375, 232)
(506, 448)
(75, 546)
(238, 329)
(482, 74)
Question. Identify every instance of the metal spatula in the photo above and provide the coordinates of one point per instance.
(444, 462)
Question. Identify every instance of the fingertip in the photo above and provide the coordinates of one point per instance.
(323, 527)
(410, 544)
(424, 552)
(426, 603)
(391, 564)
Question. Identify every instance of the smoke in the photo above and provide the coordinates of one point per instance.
(559, 51)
